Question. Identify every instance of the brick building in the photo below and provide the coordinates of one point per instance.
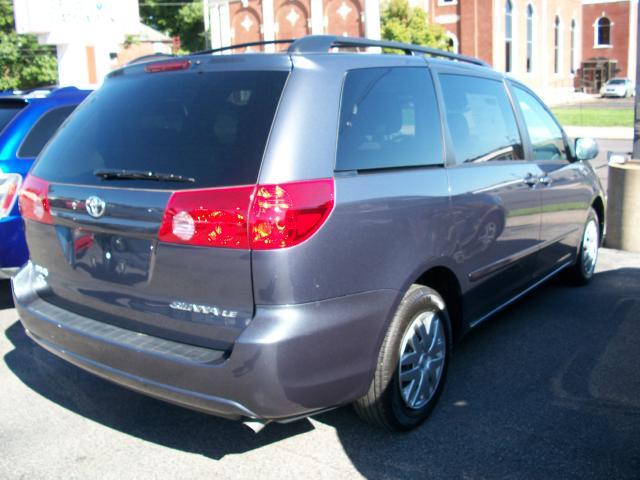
(548, 44)
(235, 21)
(608, 41)
(537, 41)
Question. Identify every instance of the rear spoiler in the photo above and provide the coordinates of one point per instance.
(13, 101)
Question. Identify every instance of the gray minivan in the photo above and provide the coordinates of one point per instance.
(267, 236)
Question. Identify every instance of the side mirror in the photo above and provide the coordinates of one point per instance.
(586, 148)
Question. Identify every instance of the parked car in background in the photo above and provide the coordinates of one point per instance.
(267, 236)
(618, 87)
(27, 122)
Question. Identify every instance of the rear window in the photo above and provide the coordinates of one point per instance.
(42, 131)
(7, 112)
(210, 126)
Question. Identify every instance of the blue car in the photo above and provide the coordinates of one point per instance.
(26, 124)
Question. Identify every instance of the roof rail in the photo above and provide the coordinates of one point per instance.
(324, 43)
(243, 45)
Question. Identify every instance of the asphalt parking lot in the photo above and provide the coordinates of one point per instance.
(548, 389)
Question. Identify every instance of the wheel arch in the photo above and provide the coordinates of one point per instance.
(444, 281)
(598, 205)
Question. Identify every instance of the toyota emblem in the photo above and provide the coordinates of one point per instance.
(95, 206)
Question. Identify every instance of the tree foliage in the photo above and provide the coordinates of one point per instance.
(23, 62)
(183, 19)
(403, 23)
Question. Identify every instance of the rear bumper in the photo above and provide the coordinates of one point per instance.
(289, 362)
(13, 246)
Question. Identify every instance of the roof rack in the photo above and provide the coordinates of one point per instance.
(243, 45)
(324, 43)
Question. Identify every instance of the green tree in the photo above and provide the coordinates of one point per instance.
(181, 18)
(23, 62)
(403, 23)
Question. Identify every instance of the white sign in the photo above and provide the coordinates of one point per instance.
(67, 21)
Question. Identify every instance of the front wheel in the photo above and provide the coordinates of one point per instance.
(581, 272)
(412, 364)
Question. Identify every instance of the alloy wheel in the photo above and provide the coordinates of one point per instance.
(422, 359)
(590, 244)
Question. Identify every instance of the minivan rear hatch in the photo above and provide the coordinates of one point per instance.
(150, 131)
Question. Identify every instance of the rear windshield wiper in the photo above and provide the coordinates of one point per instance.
(141, 175)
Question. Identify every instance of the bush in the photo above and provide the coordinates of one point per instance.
(403, 23)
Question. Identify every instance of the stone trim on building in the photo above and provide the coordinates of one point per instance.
(244, 21)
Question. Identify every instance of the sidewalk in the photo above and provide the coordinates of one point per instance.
(566, 98)
(607, 133)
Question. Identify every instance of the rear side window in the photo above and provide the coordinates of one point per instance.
(389, 118)
(546, 136)
(43, 130)
(7, 112)
(481, 121)
(210, 126)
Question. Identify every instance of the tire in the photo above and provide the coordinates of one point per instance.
(581, 272)
(384, 405)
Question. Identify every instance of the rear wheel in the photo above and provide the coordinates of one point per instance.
(412, 364)
(581, 272)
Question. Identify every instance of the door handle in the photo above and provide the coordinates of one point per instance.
(530, 180)
(545, 180)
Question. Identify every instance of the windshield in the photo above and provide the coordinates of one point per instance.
(208, 126)
(616, 82)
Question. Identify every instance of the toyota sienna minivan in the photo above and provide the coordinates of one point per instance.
(264, 236)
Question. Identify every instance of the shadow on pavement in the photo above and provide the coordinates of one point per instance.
(548, 389)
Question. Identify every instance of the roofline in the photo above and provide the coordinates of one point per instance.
(324, 44)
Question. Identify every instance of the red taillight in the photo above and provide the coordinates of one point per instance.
(34, 200)
(261, 217)
(167, 66)
(215, 217)
(288, 214)
(9, 186)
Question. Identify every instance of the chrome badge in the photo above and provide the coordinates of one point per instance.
(95, 206)
(206, 309)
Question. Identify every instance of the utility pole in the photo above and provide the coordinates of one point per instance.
(207, 24)
(636, 103)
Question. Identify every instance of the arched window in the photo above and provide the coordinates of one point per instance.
(573, 45)
(529, 38)
(452, 40)
(508, 36)
(603, 32)
(556, 45)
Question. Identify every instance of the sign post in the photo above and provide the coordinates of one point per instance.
(206, 11)
(636, 122)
